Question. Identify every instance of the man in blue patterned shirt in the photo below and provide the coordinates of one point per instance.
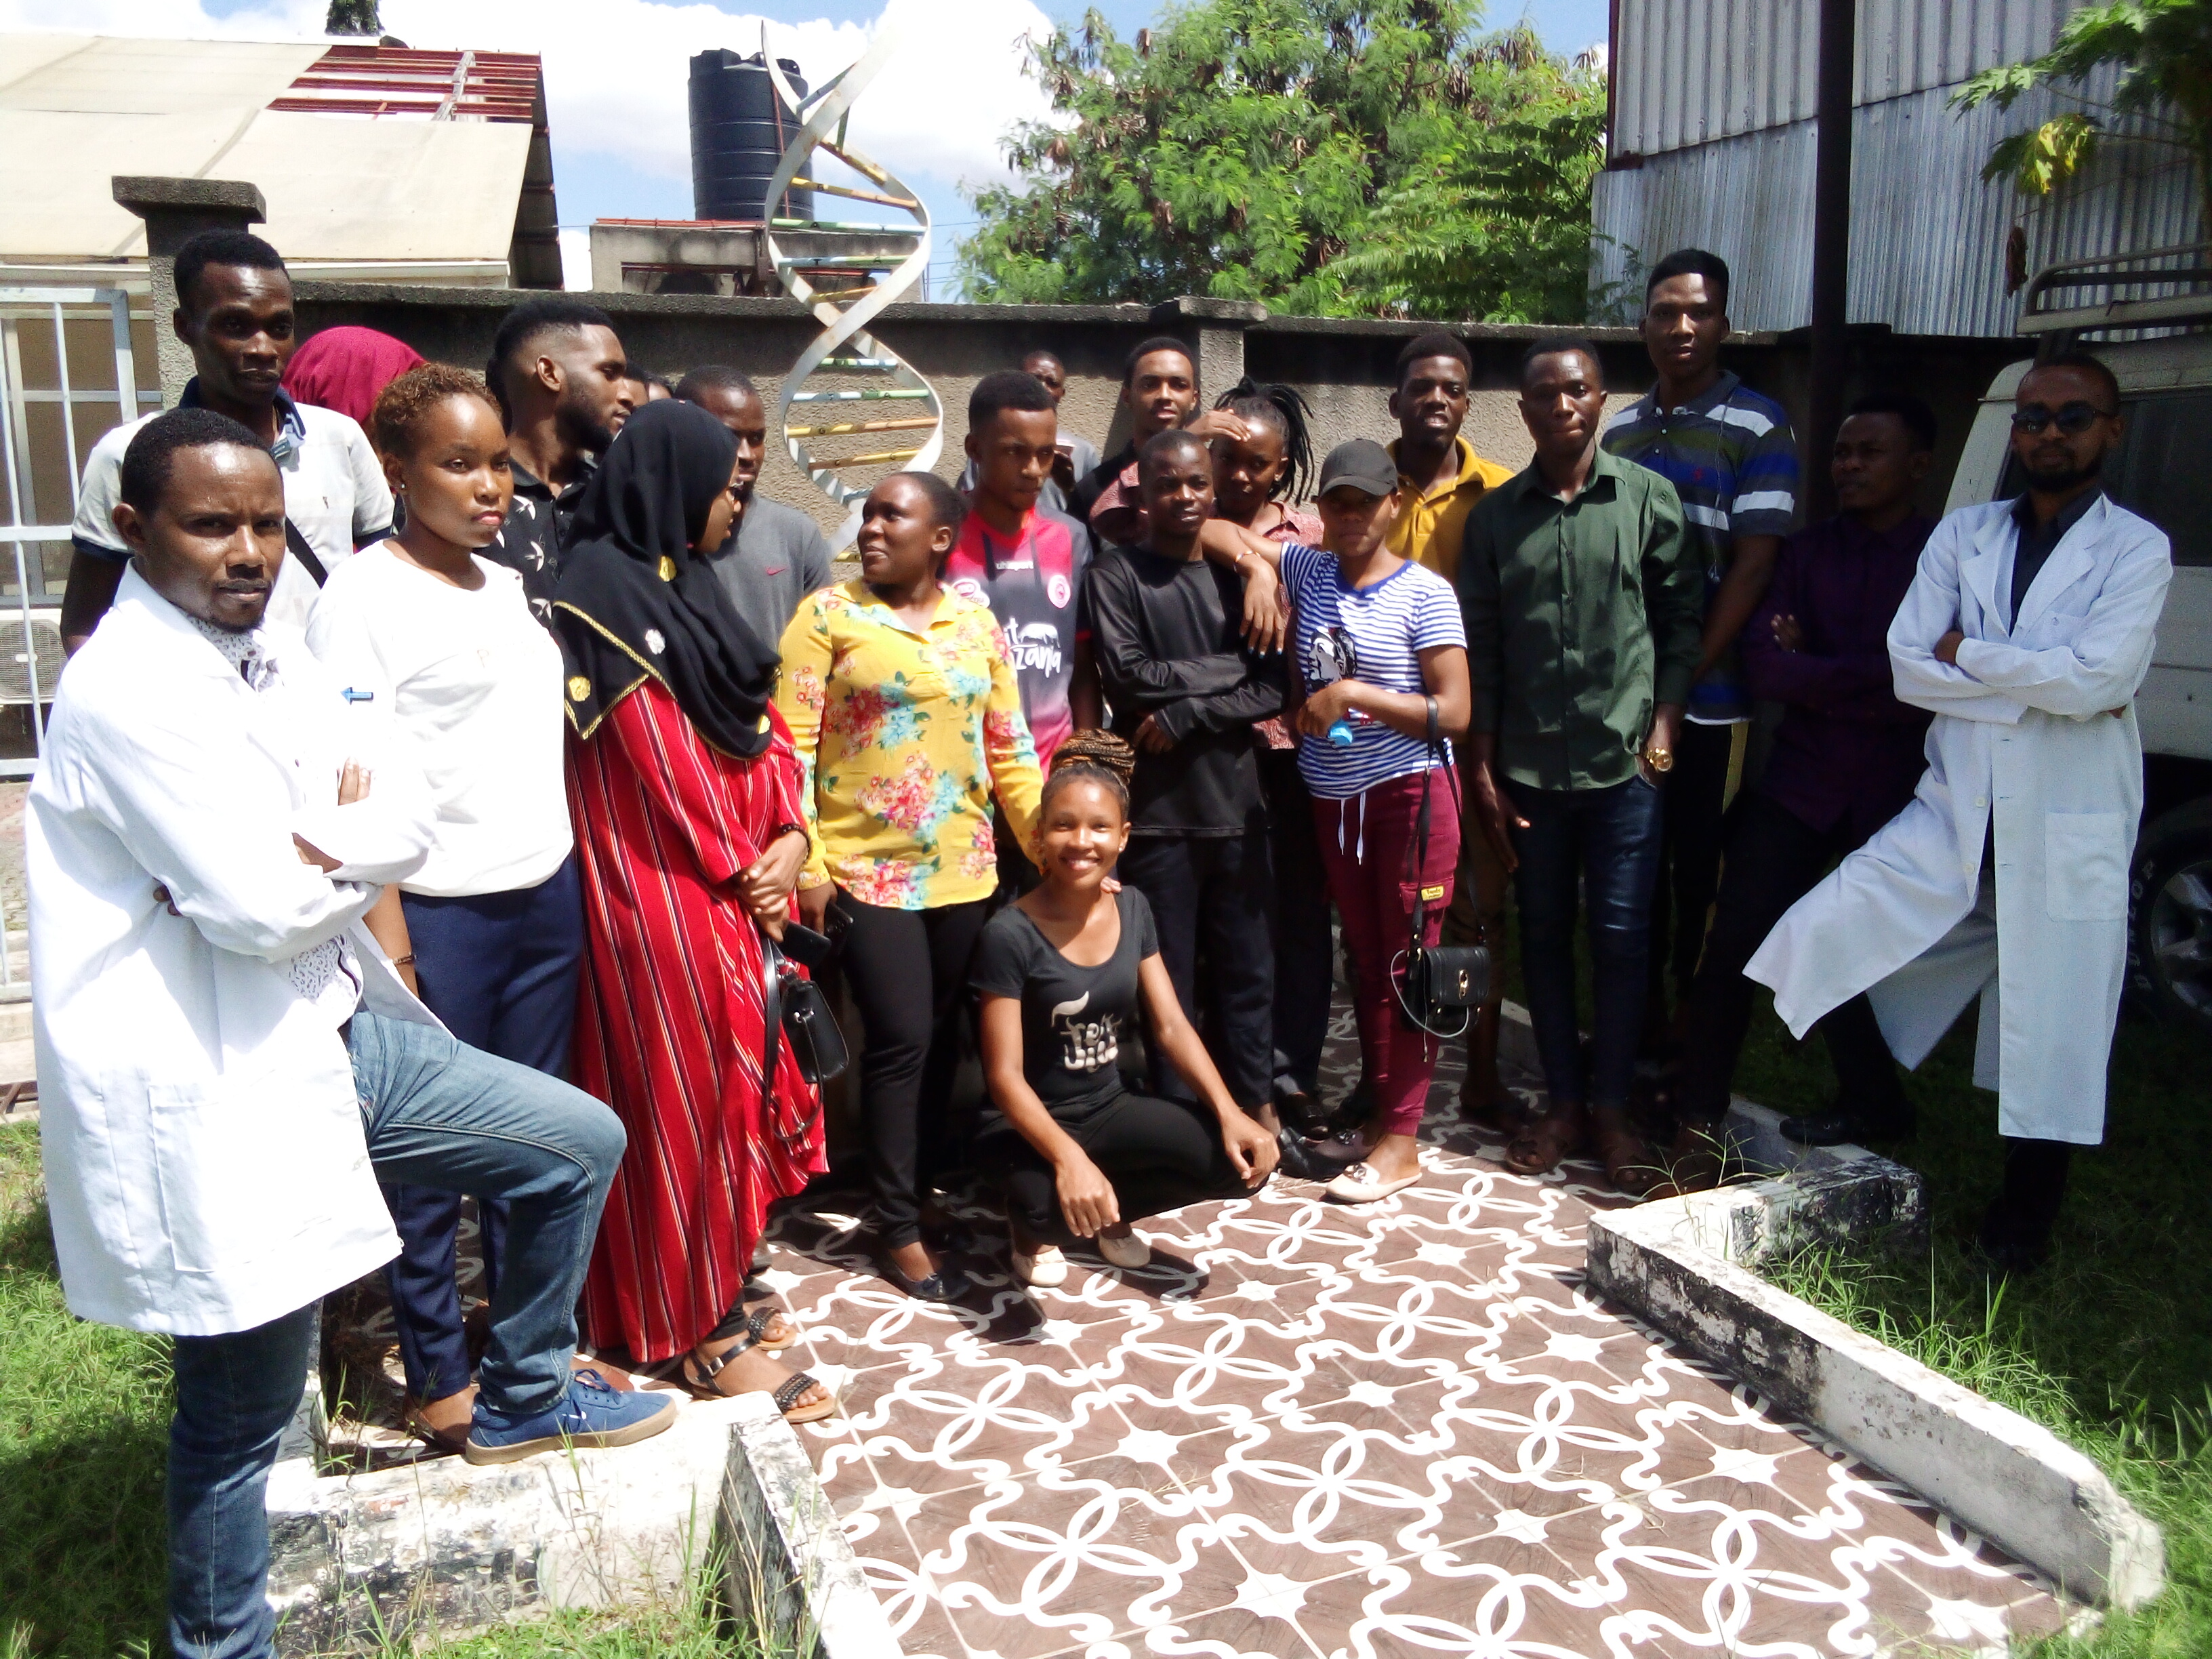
(1731, 455)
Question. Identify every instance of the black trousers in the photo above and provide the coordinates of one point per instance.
(1774, 858)
(1303, 944)
(1159, 1154)
(908, 972)
(1690, 856)
(1214, 892)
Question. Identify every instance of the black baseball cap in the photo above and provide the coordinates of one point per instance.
(1362, 463)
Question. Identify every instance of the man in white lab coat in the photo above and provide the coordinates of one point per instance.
(2027, 632)
(227, 1061)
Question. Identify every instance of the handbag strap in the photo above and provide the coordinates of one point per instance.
(296, 545)
(771, 1019)
(1421, 842)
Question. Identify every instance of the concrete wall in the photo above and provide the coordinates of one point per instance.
(1343, 366)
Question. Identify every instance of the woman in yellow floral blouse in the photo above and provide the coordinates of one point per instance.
(903, 704)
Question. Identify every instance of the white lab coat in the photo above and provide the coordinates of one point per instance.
(2020, 740)
(205, 1164)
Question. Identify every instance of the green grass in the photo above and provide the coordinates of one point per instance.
(2110, 1346)
(84, 1413)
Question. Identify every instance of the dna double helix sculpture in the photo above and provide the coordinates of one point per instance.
(817, 409)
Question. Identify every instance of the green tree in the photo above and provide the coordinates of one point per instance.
(1340, 157)
(2163, 51)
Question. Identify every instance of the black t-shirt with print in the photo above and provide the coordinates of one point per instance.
(1073, 1018)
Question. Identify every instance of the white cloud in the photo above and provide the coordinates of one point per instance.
(616, 70)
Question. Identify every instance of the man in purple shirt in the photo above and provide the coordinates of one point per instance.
(1846, 759)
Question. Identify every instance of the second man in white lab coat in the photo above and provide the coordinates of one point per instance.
(2027, 632)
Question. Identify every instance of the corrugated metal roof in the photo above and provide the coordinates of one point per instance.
(1688, 72)
(76, 110)
(1928, 237)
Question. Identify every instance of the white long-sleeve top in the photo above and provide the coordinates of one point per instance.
(205, 1164)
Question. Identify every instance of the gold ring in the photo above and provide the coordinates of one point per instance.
(1659, 760)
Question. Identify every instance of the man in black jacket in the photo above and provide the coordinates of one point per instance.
(1166, 633)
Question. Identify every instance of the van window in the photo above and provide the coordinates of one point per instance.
(2163, 470)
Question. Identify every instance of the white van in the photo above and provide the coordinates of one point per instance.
(2164, 471)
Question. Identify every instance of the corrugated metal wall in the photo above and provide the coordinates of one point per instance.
(1689, 71)
(1928, 237)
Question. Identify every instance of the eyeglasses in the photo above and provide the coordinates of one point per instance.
(2072, 419)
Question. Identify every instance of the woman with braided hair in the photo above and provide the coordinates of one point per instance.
(1062, 971)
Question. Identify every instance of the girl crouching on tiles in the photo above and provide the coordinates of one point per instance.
(1061, 972)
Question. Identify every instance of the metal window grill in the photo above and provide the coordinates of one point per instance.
(48, 424)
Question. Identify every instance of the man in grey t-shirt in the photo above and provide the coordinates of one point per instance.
(778, 556)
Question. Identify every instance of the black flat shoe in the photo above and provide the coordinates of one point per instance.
(947, 1284)
(1840, 1126)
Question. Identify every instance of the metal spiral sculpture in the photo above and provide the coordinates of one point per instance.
(845, 347)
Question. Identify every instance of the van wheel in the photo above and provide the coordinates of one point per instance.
(2170, 916)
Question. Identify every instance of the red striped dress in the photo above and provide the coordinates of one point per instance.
(668, 1030)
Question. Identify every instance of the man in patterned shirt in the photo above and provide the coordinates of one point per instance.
(1730, 454)
(559, 371)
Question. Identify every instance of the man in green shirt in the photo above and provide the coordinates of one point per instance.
(1583, 604)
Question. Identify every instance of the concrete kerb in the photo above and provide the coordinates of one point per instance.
(359, 1560)
(1684, 1265)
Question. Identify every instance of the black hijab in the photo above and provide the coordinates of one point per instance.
(634, 600)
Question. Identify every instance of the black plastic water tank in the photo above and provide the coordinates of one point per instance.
(738, 136)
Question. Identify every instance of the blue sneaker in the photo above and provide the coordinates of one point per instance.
(589, 1415)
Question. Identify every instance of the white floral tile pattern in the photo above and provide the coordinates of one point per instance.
(1341, 1432)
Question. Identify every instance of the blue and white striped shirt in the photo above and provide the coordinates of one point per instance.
(1731, 458)
(1386, 627)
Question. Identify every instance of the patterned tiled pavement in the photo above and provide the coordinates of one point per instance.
(1310, 1428)
(1316, 1429)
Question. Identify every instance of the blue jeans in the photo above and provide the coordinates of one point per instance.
(1606, 843)
(436, 1114)
(500, 970)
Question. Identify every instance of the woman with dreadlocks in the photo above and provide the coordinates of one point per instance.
(1255, 478)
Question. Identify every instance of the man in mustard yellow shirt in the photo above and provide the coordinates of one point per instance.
(1440, 478)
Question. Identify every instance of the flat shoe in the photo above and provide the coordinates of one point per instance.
(444, 1423)
(1125, 1251)
(1360, 1185)
(1047, 1269)
(947, 1284)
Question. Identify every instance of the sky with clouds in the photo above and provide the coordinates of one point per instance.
(615, 73)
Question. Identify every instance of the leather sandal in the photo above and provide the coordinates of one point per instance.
(699, 1376)
(1696, 1162)
(1628, 1161)
(1548, 1139)
(756, 1324)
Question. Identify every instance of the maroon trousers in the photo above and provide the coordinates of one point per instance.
(1367, 847)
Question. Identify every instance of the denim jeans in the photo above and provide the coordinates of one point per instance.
(1607, 842)
(236, 1393)
(436, 1114)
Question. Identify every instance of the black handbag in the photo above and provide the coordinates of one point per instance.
(1442, 985)
(796, 1006)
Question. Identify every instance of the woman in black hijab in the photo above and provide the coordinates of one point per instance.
(685, 794)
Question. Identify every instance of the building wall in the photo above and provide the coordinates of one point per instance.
(1688, 72)
(1928, 236)
(1345, 368)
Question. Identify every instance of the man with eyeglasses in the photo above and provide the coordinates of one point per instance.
(2026, 633)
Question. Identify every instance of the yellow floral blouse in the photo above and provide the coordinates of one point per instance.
(905, 737)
